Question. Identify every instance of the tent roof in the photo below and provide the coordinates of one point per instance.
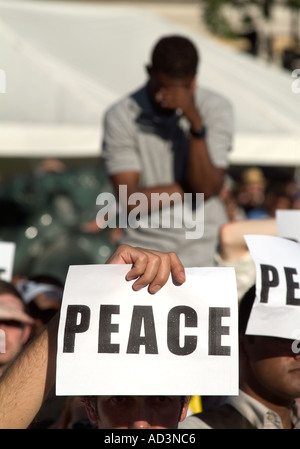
(65, 63)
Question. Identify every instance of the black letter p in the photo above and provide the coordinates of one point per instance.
(72, 328)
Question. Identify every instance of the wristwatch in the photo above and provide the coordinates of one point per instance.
(199, 133)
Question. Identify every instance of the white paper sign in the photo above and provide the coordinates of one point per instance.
(114, 341)
(288, 224)
(7, 254)
(276, 310)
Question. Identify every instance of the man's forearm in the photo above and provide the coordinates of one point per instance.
(27, 382)
(153, 195)
(202, 175)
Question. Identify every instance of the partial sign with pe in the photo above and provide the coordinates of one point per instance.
(181, 341)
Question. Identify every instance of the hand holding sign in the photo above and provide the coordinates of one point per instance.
(122, 342)
(29, 379)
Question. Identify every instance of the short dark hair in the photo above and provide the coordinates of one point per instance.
(245, 308)
(175, 56)
(46, 279)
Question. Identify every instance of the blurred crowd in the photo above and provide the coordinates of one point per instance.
(254, 196)
(50, 213)
(47, 213)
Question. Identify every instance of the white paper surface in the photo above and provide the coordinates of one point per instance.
(85, 371)
(276, 310)
(7, 254)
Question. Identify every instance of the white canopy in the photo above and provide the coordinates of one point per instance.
(62, 64)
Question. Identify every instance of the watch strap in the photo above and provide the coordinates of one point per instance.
(199, 133)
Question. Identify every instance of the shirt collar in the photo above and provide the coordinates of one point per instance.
(146, 112)
(250, 408)
(261, 416)
(296, 415)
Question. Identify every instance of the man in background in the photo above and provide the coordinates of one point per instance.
(171, 137)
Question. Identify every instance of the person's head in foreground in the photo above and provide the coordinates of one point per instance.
(270, 366)
(136, 412)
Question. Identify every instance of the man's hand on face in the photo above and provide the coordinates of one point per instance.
(171, 93)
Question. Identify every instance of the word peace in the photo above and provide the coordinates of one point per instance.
(78, 320)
